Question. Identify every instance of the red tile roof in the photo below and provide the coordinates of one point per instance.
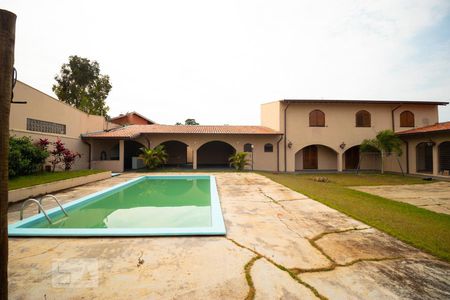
(133, 131)
(431, 128)
(129, 114)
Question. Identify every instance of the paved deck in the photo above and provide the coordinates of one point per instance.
(289, 246)
(433, 196)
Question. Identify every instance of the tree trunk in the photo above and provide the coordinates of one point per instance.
(382, 162)
(7, 37)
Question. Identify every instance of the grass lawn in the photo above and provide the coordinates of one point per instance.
(39, 178)
(421, 228)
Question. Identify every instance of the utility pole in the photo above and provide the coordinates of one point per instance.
(7, 38)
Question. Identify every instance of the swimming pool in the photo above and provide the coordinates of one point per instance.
(145, 206)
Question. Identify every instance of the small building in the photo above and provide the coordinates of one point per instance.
(45, 117)
(428, 149)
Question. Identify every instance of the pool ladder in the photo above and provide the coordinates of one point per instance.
(40, 208)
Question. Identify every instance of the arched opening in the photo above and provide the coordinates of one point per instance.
(363, 119)
(176, 153)
(214, 154)
(316, 118)
(248, 147)
(316, 157)
(351, 157)
(444, 158)
(424, 158)
(406, 119)
(132, 149)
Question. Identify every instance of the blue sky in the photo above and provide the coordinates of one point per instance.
(172, 60)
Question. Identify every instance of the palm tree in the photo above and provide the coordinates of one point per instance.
(154, 157)
(7, 38)
(385, 142)
(239, 160)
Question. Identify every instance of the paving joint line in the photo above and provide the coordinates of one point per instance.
(293, 276)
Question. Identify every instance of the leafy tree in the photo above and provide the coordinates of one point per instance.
(154, 157)
(385, 142)
(239, 160)
(81, 85)
(188, 122)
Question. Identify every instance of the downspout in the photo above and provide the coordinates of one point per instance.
(407, 156)
(89, 156)
(285, 136)
(407, 147)
(278, 153)
(393, 119)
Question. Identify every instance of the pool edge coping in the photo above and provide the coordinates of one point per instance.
(217, 220)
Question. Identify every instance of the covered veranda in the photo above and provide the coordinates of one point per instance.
(187, 146)
(428, 149)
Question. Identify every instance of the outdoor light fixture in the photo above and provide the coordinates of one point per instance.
(289, 144)
(342, 145)
(431, 143)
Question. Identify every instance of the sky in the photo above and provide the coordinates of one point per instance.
(217, 61)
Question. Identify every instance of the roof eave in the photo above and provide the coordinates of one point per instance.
(364, 101)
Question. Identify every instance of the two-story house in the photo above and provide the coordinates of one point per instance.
(326, 134)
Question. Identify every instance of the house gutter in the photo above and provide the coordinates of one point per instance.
(392, 116)
(285, 136)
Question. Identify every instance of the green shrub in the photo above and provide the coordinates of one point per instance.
(239, 160)
(25, 157)
(154, 157)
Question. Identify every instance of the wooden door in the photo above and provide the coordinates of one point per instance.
(310, 157)
(352, 158)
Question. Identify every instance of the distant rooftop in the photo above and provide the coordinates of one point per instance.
(123, 116)
(133, 131)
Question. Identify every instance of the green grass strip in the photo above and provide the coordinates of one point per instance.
(46, 177)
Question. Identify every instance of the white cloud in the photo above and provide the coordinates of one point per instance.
(217, 61)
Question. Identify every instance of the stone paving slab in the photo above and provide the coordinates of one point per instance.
(335, 256)
(181, 268)
(272, 283)
(390, 279)
(432, 196)
(353, 245)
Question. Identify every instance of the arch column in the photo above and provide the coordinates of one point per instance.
(194, 158)
(435, 159)
(122, 154)
(339, 161)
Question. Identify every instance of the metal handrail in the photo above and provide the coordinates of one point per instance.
(56, 199)
(26, 202)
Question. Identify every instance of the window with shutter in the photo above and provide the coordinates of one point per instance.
(363, 119)
(316, 118)
(406, 119)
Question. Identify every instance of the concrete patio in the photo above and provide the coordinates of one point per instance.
(433, 196)
(279, 245)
